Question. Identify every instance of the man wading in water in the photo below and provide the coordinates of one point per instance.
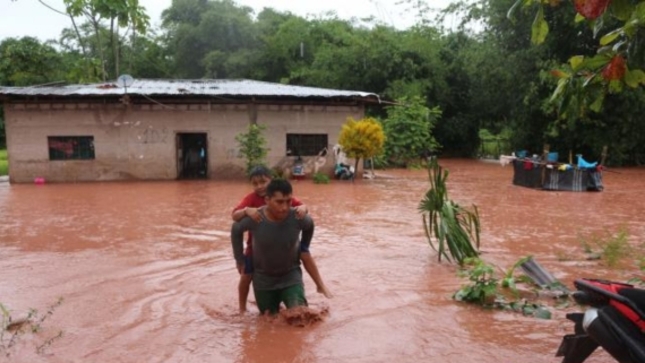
(260, 177)
(276, 249)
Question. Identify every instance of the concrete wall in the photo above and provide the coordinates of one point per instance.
(139, 141)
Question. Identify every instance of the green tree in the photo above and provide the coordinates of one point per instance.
(585, 79)
(361, 139)
(253, 146)
(105, 18)
(149, 57)
(118, 14)
(408, 128)
(27, 61)
(507, 72)
(462, 56)
(279, 37)
(205, 34)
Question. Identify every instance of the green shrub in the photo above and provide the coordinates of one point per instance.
(484, 285)
(253, 146)
(277, 173)
(611, 247)
(4, 163)
(320, 178)
(494, 145)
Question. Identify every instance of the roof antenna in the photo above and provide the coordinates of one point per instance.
(125, 81)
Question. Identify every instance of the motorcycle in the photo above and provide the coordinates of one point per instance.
(614, 320)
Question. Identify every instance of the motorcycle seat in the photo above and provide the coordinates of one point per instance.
(637, 296)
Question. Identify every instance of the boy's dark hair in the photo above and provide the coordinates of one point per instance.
(279, 185)
(260, 170)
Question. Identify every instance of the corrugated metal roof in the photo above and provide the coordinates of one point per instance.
(198, 87)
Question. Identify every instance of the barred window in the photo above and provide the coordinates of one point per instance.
(71, 147)
(306, 144)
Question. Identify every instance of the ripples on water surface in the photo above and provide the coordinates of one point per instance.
(147, 274)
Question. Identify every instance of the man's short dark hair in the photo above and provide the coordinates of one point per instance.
(279, 185)
(260, 170)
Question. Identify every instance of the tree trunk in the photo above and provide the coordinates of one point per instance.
(88, 69)
(115, 47)
(80, 39)
(132, 47)
(253, 112)
(97, 30)
(355, 169)
(117, 54)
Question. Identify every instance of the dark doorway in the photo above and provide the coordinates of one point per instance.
(192, 156)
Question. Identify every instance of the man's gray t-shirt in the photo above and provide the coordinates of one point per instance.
(276, 249)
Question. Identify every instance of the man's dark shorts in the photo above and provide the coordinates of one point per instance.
(248, 265)
(269, 300)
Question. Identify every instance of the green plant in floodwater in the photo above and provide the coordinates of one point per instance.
(415, 165)
(586, 247)
(530, 309)
(321, 178)
(562, 256)
(510, 281)
(455, 228)
(637, 280)
(11, 328)
(616, 248)
(4, 163)
(278, 173)
(483, 287)
(612, 247)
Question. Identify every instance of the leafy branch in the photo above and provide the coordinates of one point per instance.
(583, 82)
(11, 328)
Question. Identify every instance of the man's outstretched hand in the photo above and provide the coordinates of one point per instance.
(325, 291)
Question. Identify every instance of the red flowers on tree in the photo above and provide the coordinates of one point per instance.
(615, 69)
(591, 9)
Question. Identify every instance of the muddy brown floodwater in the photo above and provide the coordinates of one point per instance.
(147, 274)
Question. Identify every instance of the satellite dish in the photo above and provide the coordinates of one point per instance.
(125, 80)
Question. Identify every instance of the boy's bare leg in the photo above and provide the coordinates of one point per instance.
(312, 270)
(243, 290)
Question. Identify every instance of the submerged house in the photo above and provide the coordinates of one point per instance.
(166, 129)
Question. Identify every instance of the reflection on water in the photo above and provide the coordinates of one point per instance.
(147, 274)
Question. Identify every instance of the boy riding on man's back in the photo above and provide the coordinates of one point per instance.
(260, 178)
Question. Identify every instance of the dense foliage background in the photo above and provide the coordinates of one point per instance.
(483, 76)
